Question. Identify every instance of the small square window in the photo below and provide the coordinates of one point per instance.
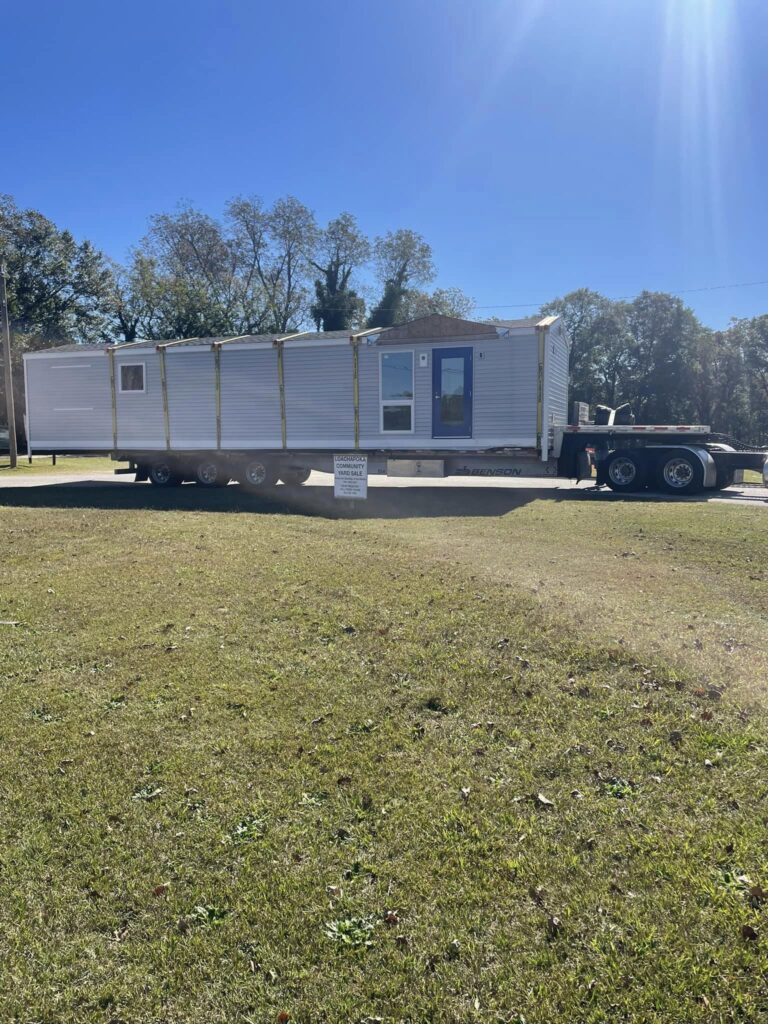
(132, 377)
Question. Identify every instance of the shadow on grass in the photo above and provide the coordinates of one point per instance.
(382, 502)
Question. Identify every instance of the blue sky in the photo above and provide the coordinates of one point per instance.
(539, 145)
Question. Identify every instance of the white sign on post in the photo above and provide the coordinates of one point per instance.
(350, 476)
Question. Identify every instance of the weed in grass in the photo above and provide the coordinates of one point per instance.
(146, 793)
(355, 932)
(249, 828)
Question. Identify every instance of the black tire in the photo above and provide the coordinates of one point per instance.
(725, 478)
(292, 477)
(211, 473)
(163, 474)
(257, 475)
(679, 472)
(626, 471)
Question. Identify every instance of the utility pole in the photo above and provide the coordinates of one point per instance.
(9, 403)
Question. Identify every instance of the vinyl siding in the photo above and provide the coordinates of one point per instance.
(319, 403)
(140, 421)
(250, 399)
(318, 396)
(191, 380)
(503, 400)
(69, 402)
(556, 377)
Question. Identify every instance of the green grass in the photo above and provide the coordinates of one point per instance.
(266, 764)
(64, 464)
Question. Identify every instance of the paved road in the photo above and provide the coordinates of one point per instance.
(557, 489)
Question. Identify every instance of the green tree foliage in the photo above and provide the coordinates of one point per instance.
(195, 276)
(663, 339)
(274, 247)
(750, 336)
(599, 343)
(402, 259)
(58, 289)
(341, 250)
(446, 301)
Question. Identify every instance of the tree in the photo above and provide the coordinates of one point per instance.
(446, 301)
(750, 336)
(341, 249)
(274, 248)
(599, 344)
(136, 299)
(402, 259)
(187, 272)
(58, 289)
(197, 276)
(665, 336)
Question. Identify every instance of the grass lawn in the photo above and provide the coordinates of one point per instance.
(64, 464)
(261, 767)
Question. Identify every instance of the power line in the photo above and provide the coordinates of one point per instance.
(623, 298)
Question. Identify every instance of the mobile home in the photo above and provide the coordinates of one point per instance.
(437, 386)
(437, 396)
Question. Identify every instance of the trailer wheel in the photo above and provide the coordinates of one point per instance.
(626, 471)
(294, 477)
(210, 473)
(680, 472)
(164, 474)
(257, 475)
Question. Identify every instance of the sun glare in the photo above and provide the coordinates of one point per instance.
(698, 95)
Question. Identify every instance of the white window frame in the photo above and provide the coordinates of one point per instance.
(397, 401)
(132, 391)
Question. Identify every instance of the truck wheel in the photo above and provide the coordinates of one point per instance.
(257, 475)
(210, 473)
(163, 474)
(294, 477)
(680, 472)
(626, 471)
(725, 478)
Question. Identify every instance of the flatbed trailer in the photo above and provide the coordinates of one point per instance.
(675, 459)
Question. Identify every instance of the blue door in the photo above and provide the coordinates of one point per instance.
(452, 392)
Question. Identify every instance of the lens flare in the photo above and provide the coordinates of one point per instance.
(699, 107)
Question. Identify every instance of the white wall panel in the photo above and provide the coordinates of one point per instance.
(250, 398)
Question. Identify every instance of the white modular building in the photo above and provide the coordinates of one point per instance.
(436, 384)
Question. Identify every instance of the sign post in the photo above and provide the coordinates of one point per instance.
(350, 476)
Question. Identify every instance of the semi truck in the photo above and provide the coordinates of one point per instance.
(438, 396)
